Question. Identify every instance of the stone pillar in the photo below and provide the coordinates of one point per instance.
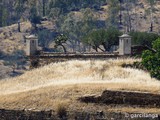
(31, 45)
(125, 44)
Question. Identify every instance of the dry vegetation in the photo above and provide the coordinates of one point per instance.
(62, 83)
(10, 39)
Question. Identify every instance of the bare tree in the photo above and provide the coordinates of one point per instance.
(42, 4)
(152, 3)
(1, 10)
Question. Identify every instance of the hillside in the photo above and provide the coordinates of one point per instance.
(62, 83)
(141, 16)
(139, 11)
(11, 39)
(12, 46)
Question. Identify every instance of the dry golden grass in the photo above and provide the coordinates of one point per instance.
(64, 82)
(12, 40)
(77, 72)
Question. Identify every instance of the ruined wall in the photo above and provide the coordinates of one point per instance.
(125, 98)
(41, 60)
(131, 98)
(74, 115)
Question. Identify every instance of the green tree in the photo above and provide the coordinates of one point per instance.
(34, 17)
(54, 13)
(113, 13)
(152, 2)
(44, 7)
(60, 41)
(44, 38)
(143, 38)
(20, 7)
(151, 60)
(77, 27)
(103, 37)
(5, 17)
(95, 39)
(112, 38)
(3, 14)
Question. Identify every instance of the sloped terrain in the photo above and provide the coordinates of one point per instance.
(12, 41)
(63, 83)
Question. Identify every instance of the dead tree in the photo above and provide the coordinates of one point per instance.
(1, 12)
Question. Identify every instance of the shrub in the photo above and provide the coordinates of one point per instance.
(143, 38)
(151, 60)
(62, 110)
(1, 54)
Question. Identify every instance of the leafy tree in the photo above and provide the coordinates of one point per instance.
(151, 2)
(34, 17)
(44, 7)
(20, 7)
(95, 39)
(143, 38)
(43, 38)
(6, 11)
(46, 37)
(113, 13)
(103, 37)
(73, 5)
(77, 28)
(54, 13)
(60, 40)
(3, 14)
(1, 54)
(151, 60)
(112, 38)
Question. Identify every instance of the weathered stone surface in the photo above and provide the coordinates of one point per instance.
(130, 98)
(126, 98)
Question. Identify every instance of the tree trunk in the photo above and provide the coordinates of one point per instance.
(44, 6)
(1, 13)
(105, 46)
(19, 26)
(129, 23)
(101, 49)
(64, 49)
(95, 48)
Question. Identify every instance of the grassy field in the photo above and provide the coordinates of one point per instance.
(62, 83)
